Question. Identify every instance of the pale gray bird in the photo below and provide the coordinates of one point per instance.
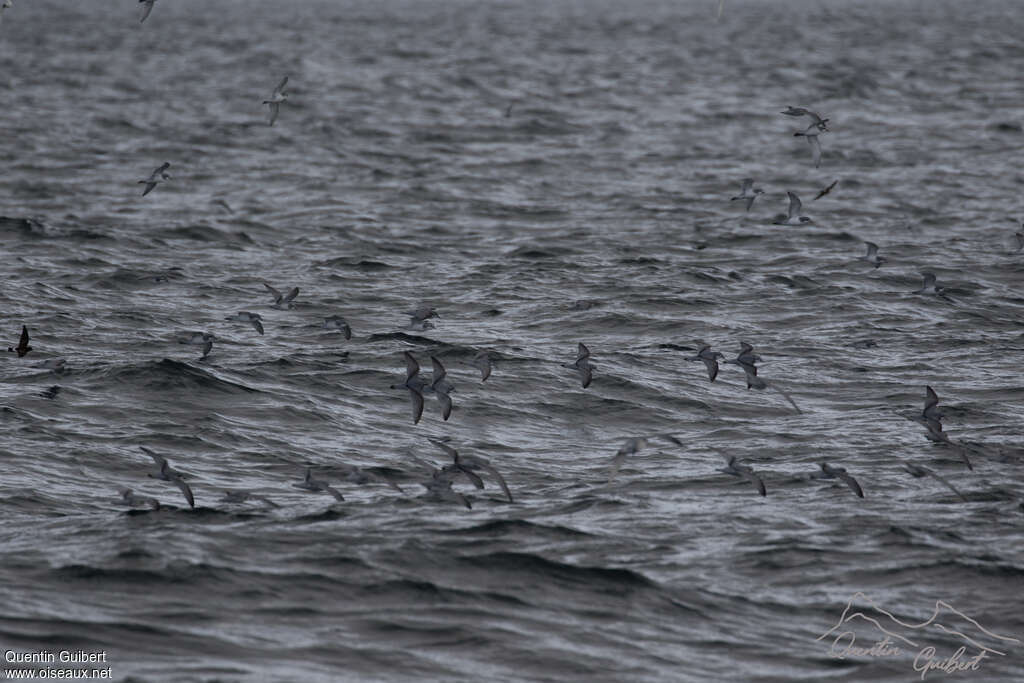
(631, 447)
(812, 139)
(276, 99)
(309, 483)
(253, 319)
(147, 7)
(582, 365)
(830, 472)
(166, 473)
(419, 317)
(415, 384)
(748, 192)
(336, 322)
(204, 339)
(793, 216)
(155, 177)
(744, 471)
(872, 256)
(282, 300)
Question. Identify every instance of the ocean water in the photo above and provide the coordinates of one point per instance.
(544, 174)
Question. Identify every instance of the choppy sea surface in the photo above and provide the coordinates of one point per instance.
(544, 174)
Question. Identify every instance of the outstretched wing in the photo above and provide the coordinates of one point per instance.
(275, 109)
(280, 86)
(273, 292)
(451, 452)
(147, 7)
(412, 368)
(795, 205)
(582, 351)
(290, 296)
(812, 140)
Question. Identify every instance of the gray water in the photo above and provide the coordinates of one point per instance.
(597, 211)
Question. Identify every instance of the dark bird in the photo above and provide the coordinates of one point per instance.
(156, 176)
(22, 348)
(147, 8)
(825, 191)
(582, 365)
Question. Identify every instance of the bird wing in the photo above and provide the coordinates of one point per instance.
(439, 371)
(412, 368)
(586, 374)
(812, 140)
(712, 365)
(451, 452)
(794, 205)
(417, 405)
(746, 185)
(275, 109)
(207, 347)
(23, 340)
(185, 490)
(334, 492)
(258, 325)
(582, 351)
(346, 330)
(149, 188)
(483, 363)
(446, 404)
(157, 458)
(273, 292)
(946, 482)
(852, 483)
(146, 9)
(931, 399)
(290, 296)
(750, 201)
(487, 467)
(471, 475)
(280, 86)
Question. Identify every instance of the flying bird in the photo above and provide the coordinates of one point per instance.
(482, 362)
(744, 471)
(872, 256)
(317, 485)
(282, 300)
(467, 464)
(276, 99)
(830, 472)
(166, 473)
(156, 176)
(793, 217)
(816, 121)
(748, 192)
(336, 322)
(22, 348)
(825, 191)
(709, 357)
(631, 447)
(134, 501)
(253, 319)
(918, 471)
(582, 365)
